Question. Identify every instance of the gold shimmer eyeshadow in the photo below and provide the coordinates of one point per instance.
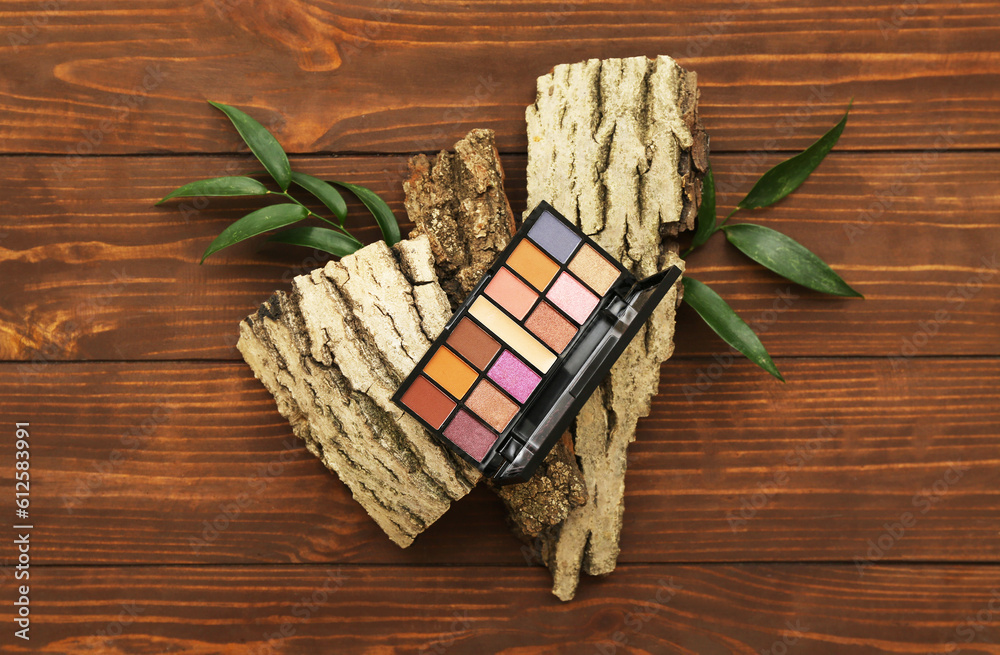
(595, 271)
(550, 327)
(491, 405)
(512, 334)
(451, 373)
(533, 265)
(510, 293)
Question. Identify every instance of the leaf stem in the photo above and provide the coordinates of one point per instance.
(726, 219)
(717, 229)
(312, 213)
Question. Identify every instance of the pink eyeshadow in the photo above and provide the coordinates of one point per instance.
(514, 376)
(470, 435)
(573, 298)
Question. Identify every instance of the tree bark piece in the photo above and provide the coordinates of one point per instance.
(556, 488)
(333, 351)
(616, 146)
(458, 200)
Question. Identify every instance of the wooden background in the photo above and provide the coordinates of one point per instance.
(148, 429)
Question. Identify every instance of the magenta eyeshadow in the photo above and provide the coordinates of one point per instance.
(470, 435)
(514, 376)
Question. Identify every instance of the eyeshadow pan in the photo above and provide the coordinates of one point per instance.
(512, 369)
(532, 264)
(470, 435)
(469, 340)
(510, 293)
(514, 376)
(512, 334)
(451, 373)
(572, 297)
(596, 271)
(550, 327)
(552, 235)
(428, 402)
(491, 405)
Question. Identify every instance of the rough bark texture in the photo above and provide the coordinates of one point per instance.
(333, 351)
(617, 147)
(556, 488)
(457, 200)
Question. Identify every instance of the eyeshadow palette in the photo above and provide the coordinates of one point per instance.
(527, 348)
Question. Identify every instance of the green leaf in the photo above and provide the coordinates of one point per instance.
(320, 238)
(383, 215)
(262, 144)
(787, 257)
(719, 316)
(326, 194)
(706, 212)
(789, 174)
(254, 223)
(219, 186)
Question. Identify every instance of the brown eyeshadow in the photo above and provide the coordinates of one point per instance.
(549, 326)
(428, 402)
(469, 340)
(491, 405)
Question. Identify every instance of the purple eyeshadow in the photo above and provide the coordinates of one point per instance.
(514, 376)
(470, 435)
(552, 235)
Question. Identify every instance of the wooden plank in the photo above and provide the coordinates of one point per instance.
(190, 462)
(105, 275)
(353, 76)
(754, 608)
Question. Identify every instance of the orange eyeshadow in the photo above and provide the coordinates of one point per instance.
(451, 373)
(510, 293)
(533, 265)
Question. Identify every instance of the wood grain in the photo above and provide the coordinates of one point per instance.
(659, 610)
(102, 111)
(105, 275)
(190, 462)
(409, 76)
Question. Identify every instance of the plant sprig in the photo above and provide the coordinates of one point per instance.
(336, 241)
(769, 248)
